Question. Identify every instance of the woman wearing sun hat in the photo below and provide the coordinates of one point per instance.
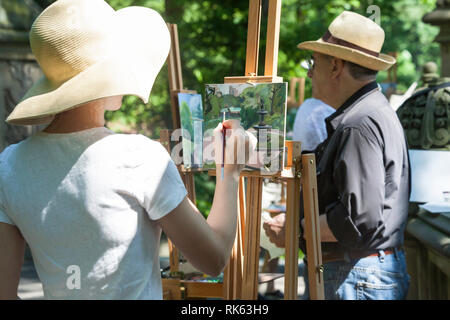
(90, 203)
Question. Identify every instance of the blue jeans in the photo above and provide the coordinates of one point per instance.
(382, 277)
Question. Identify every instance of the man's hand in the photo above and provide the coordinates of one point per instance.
(275, 230)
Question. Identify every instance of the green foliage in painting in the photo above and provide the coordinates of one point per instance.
(186, 118)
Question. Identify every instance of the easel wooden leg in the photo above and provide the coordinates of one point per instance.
(232, 278)
(253, 32)
(188, 179)
(252, 238)
(239, 270)
(292, 224)
(228, 274)
(174, 257)
(273, 36)
(312, 228)
(175, 75)
(292, 234)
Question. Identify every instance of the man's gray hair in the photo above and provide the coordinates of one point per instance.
(356, 71)
(360, 73)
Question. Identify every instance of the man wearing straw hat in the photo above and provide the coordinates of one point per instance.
(363, 166)
(90, 203)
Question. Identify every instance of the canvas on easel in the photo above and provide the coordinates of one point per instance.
(191, 119)
(261, 110)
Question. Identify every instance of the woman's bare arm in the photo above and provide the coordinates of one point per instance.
(207, 243)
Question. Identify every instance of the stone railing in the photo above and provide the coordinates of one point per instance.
(425, 118)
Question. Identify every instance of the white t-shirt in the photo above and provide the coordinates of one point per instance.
(86, 203)
(309, 125)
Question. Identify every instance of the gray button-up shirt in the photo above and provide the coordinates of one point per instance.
(363, 173)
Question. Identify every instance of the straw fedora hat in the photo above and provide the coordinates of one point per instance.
(88, 51)
(354, 38)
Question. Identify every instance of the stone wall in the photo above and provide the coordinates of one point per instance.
(16, 77)
(18, 68)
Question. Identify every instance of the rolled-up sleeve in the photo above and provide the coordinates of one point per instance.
(3, 216)
(159, 186)
(5, 219)
(359, 178)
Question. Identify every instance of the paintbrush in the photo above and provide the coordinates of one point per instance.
(224, 134)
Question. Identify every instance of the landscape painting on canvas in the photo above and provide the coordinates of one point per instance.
(191, 118)
(261, 109)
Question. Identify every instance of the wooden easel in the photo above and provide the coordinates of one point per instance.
(292, 99)
(244, 264)
(241, 274)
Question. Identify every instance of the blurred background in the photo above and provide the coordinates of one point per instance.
(212, 39)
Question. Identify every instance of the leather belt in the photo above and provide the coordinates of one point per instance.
(331, 256)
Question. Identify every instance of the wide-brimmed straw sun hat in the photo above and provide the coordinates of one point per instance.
(355, 38)
(88, 51)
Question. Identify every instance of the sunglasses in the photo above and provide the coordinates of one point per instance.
(310, 63)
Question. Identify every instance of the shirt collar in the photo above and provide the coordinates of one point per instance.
(333, 120)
